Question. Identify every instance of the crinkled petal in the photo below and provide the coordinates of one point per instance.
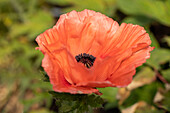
(48, 38)
(55, 49)
(127, 40)
(100, 84)
(127, 36)
(57, 79)
(118, 51)
(124, 74)
(85, 31)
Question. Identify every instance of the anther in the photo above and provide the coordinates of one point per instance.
(86, 59)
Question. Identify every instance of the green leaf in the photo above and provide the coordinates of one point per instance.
(94, 101)
(145, 76)
(79, 5)
(78, 103)
(145, 73)
(67, 106)
(110, 7)
(45, 77)
(156, 9)
(142, 107)
(109, 93)
(107, 7)
(153, 39)
(166, 100)
(167, 40)
(66, 96)
(166, 74)
(145, 93)
(158, 56)
(148, 109)
(139, 20)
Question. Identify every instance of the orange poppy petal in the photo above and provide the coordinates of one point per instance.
(127, 36)
(85, 31)
(123, 78)
(57, 79)
(104, 28)
(100, 84)
(55, 49)
(58, 52)
(118, 51)
(127, 40)
(48, 38)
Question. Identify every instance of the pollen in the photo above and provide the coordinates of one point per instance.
(86, 59)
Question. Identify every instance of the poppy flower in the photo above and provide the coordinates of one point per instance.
(87, 49)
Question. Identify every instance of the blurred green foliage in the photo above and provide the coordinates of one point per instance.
(78, 103)
(22, 20)
(156, 9)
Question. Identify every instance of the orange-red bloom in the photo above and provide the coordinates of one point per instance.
(87, 49)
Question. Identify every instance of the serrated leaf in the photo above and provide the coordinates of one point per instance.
(67, 106)
(78, 103)
(94, 101)
(66, 96)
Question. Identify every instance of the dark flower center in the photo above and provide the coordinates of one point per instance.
(86, 59)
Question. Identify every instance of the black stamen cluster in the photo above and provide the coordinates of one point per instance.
(86, 59)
